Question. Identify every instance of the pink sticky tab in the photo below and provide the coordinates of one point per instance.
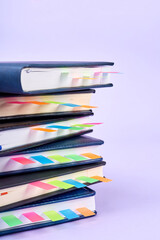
(96, 73)
(17, 102)
(33, 217)
(42, 185)
(22, 160)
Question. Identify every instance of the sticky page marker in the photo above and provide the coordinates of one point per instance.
(0, 147)
(17, 102)
(11, 220)
(33, 217)
(3, 193)
(76, 128)
(75, 183)
(76, 157)
(60, 184)
(102, 179)
(71, 105)
(85, 212)
(58, 126)
(54, 102)
(37, 102)
(83, 125)
(22, 160)
(91, 155)
(68, 213)
(44, 129)
(60, 158)
(87, 106)
(96, 73)
(41, 159)
(87, 179)
(45, 186)
(53, 215)
(88, 78)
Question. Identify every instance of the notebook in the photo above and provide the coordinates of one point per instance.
(43, 77)
(65, 153)
(66, 207)
(15, 136)
(17, 106)
(17, 190)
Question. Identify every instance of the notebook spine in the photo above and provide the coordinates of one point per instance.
(10, 81)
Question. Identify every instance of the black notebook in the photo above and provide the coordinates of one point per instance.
(24, 188)
(18, 135)
(35, 106)
(66, 207)
(64, 153)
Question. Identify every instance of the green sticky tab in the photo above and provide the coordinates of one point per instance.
(87, 179)
(59, 158)
(86, 76)
(60, 184)
(65, 73)
(84, 125)
(76, 128)
(76, 157)
(11, 220)
(54, 102)
(54, 216)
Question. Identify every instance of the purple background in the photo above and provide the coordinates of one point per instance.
(125, 32)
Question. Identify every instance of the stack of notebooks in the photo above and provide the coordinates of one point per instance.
(47, 161)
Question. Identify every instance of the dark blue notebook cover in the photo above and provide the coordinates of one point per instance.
(10, 75)
(75, 194)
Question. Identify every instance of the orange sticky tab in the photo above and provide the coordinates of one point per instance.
(3, 193)
(44, 129)
(102, 179)
(86, 106)
(91, 155)
(85, 212)
(37, 102)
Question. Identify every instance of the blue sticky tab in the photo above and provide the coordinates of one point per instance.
(71, 105)
(58, 126)
(42, 159)
(68, 213)
(0, 147)
(75, 183)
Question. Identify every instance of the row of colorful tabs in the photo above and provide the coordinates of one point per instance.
(33, 217)
(87, 76)
(78, 127)
(79, 182)
(50, 102)
(53, 159)
(95, 76)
